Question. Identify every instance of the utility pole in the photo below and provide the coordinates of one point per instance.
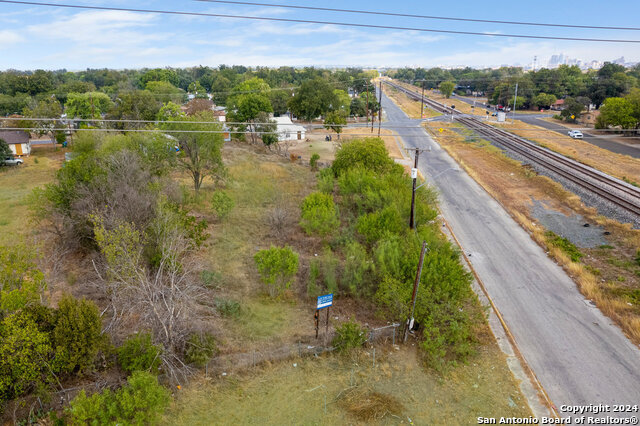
(367, 83)
(380, 108)
(422, 101)
(416, 284)
(414, 175)
(515, 99)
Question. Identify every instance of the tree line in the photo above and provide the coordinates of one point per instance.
(612, 84)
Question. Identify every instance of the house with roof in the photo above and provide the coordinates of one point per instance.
(558, 105)
(287, 130)
(18, 141)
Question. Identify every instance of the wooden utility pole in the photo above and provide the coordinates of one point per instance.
(413, 191)
(422, 101)
(380, 108)
(367, 83)
(416, 284)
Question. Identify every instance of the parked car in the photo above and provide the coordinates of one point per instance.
(576, 134)
(10, 161)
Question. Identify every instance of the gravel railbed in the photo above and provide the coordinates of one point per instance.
(604, 207)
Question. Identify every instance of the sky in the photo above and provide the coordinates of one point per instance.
(36, 37)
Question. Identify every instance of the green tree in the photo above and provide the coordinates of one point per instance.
(196, 89)
(141, 401)
(21, 282)
(343, 103)
(48, 107)
(446, 88)
(159, 74)
(266, 128)
(572, 108)
(138, 353)
(5, 151)
(617, 112)
(313, 99)
(358, 107)
(170, 111)
(166, 92)
(634, 98)
(77, 335)
(542, 100)
(135, 105)
(24, 355)
(319, 214)
(279, 99)
(368, 153)
(87, 105)
(277, 267)
(335, 120)
(200, 152)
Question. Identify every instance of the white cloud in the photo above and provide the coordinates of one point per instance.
(8, 37)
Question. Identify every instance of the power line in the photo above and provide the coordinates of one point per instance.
(307, 125)
(408, 15)
(344, 135)
(308, 21)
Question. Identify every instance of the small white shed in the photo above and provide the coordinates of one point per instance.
(287, 131)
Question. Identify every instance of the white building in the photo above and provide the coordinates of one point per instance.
(287, 131)
(18, 142)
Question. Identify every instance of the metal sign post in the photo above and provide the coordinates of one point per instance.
(323, 302)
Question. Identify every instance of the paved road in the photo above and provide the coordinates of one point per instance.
(536, 119)
(578, 355)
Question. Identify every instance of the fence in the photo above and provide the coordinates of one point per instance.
(224, 364)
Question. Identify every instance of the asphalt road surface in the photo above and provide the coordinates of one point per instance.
(536, 119)
(577, 353)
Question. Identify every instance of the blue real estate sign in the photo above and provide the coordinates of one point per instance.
(325, 301)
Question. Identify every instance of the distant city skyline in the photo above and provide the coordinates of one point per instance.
(33, 37)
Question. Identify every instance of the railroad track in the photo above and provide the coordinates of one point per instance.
(616, 191)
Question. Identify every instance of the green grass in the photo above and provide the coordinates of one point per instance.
(16, 184)
(293, 392)
(263, 318)
(565, 245)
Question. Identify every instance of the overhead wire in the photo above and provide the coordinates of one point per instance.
(411, 15)
(303, 124)
(320, 22)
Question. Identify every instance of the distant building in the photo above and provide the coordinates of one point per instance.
(589, 117)
(18, 141)
(558, 105)
(287, 131)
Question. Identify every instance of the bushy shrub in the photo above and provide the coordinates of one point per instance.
(313, 162)
(77, 335)
(357, 270)
(313, 289)
(448, 334)
(24, 355)
(277, 266)
(329, 264)
(228, 308)
(222, 204)
(138, 353)
(319, 214)
(326, 181)
(210, 278)
(21, 282)
(200, 349)
(141, 401)
(349, 335)
(373, 226)
(367, 153)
